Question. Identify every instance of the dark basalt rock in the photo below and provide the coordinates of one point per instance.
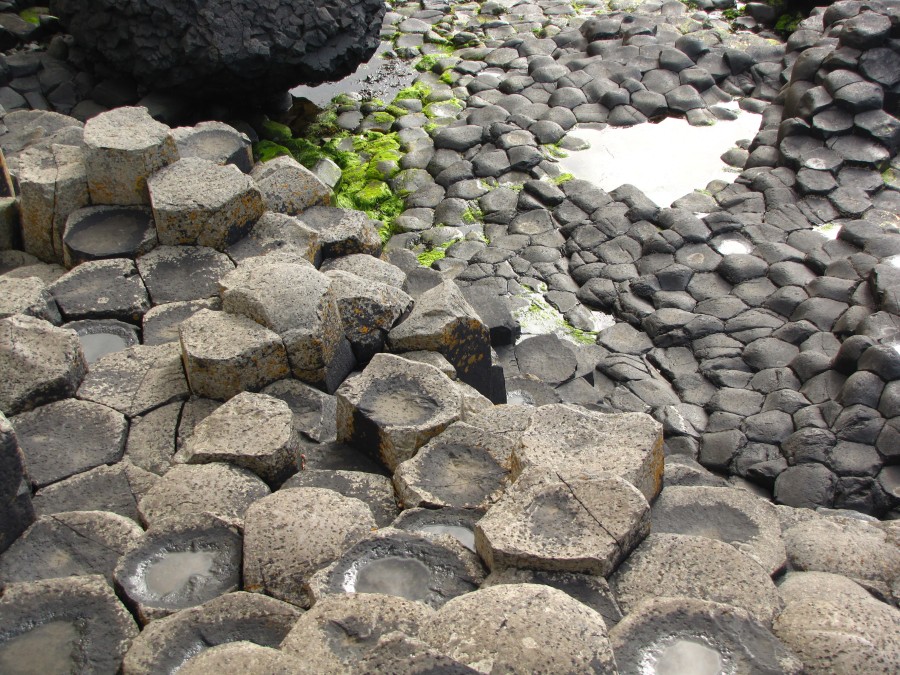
(224, 48)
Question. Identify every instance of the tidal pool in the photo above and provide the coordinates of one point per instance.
(96, 345)
(665, 160)
(463, 535)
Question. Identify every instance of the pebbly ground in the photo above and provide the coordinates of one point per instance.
(761, 352)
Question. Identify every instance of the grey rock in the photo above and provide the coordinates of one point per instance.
(217, 142)
(374, 490)
(182, 273)
(288, 187)
(98, 232)
(27, 296)
(246, 656)
(282, 234)
(161, 323)
(102, 289)
(342, 232)
(116, 489)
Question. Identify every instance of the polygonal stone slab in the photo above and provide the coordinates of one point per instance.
(298, 303)
(244, 657)
(394, 407)
(253, 431)
(367, 267)
(161, 323)
(40, 363)
(151, 439)
(16, 510)
(70, 544)
(431, 570)
(335, 634)
(737, 517)
(68, 437)
(294, 532)
(99, 232)
(457, 523)
(463, 467)
(217, 142)
(834, 625)
(226, 354)
(566, 522)
(52, 184)
(278, 233)
(668, 565)
(123, 148)
(442, 321)
(180, 562)
(376, 491)
(521, 628)
(64, 625)
(667, 633)
(314, 411)
(400, 654)
(27, 296)
(101, 337)
(164, 645)
(102, 289)
(136, 379)
(223, 490)
(368, 309)
(289, 187)
(342, 231)
(117, 489)
(200, 203)
(182, 273)
(570, 439)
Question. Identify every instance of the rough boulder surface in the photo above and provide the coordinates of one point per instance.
(230, 46)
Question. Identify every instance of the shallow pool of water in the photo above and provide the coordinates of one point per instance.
(96, 345)
(665, 160)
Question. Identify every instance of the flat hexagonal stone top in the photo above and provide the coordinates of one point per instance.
(102, 289)
(101, 337)
(243, 657)
(180, 562)
(40, 363)
(27, 296)
(570, 439)
(521, 628)
(564, 522)
(392, 562)
(342, 231)
(671, 635)
(180, 273)
(164, 645)
(376, 491)
(70, 544)
(332, 636)
(401, 654)
(98, 232)
(457, 523)
(278, 233)
(668, 565)
(67, 625)
(394, 407)
(217, 142)
(126, 129)
(296, 531)
(737, 517)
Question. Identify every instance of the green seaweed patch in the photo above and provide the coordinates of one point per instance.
(275, 131)
(563, 178)
(472, 215)
(266, 150)
(553, 150)
(33, 14)
(427, 62)
(435, 253)
(417, 90)
(787, 23)
(325, 124)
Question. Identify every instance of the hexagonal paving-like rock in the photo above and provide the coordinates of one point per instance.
(68, 544)
(457, 523)
(299, 303)
(394, 407)
(368, 309)
(314, 410)
(343, 232)
(67, 437)
(521, 628)
(102, 289)
(669, 565)
(289, 187)
(836, 626)
(217, 142)
(341, 629)
(375, 491)
(100, 337)
(123, 148)
(16, 509)
(278, 232)
(442, 321)
(463, 467)
(673, 634)
(367, 267)
(200, 203)
(244, 657)
(223, 490)
(180, 562)
(98, 232)
(27, 296)
(294, 532)
(40, 363)
(566, 522)
(161, 323)
(427, 569)
(570, 439)
(136, 379)
(400, 654)
(226, 354)
(253, 431)
(75, 624)
(164, 645)
(181, 273)
(737, 517)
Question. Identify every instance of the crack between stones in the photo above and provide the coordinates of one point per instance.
(588, 511)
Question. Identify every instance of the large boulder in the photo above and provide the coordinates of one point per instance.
(229, 48)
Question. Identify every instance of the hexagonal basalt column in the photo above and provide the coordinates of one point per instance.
(298, 303)
(16, 510)
(216, 142)
(198, 202)
(123, 148)
(569, 439)
(225, 354)
(98, 232)
(571, 523)
(342, 231)
(394, 407)
(289, 187)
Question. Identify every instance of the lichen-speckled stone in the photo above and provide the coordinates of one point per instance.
(289, 187)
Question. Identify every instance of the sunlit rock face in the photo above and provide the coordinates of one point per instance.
(231, 47)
